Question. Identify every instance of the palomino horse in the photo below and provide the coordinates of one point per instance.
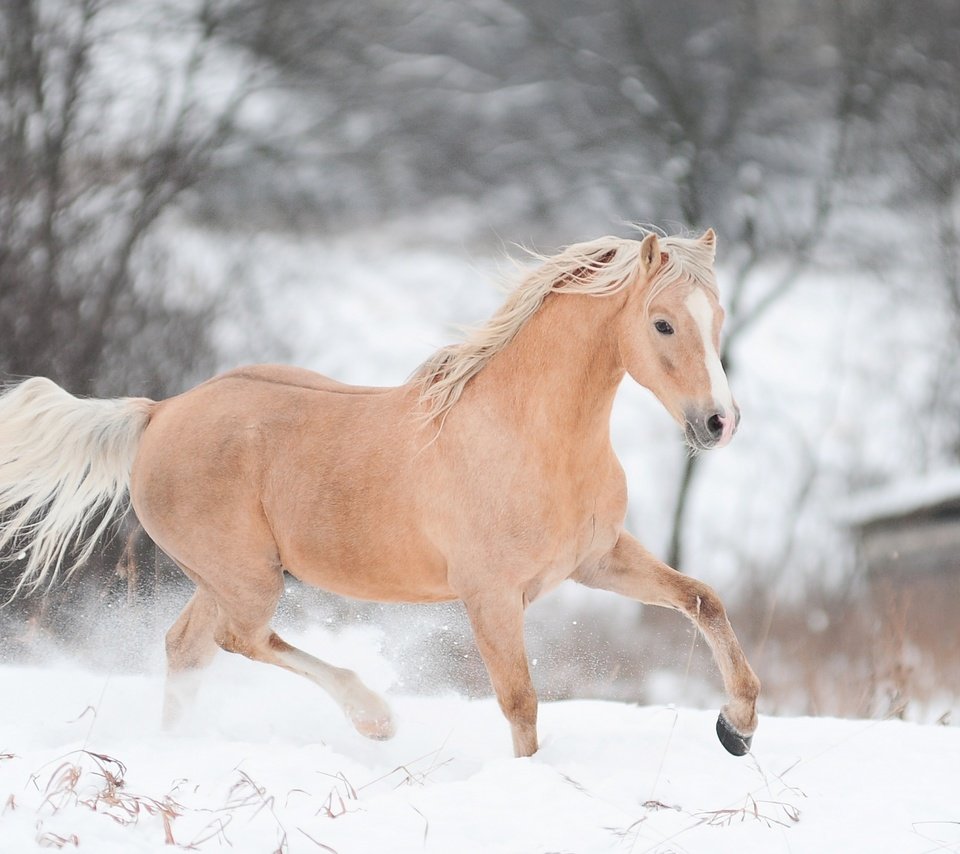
(489, 477)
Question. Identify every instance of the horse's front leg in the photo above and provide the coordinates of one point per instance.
(631, 570)
(497, 620)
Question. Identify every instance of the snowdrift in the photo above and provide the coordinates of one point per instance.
(265, 763)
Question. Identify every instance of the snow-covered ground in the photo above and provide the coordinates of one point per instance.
(266, 763)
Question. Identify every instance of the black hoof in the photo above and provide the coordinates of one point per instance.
(735, 743)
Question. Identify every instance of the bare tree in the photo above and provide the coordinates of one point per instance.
(86, 173)
(856, 34)
(727, 114)
(922, 115)
(731, 113)
(99, 140)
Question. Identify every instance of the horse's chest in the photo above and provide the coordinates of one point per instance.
(562, 552)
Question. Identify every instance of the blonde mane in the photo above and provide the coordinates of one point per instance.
(597, 268)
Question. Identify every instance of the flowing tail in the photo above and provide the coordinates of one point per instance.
(64, 464)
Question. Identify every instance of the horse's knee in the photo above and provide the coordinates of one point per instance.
(702, 605)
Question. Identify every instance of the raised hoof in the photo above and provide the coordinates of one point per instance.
(735, 743)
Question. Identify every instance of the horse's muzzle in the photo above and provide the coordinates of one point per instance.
(710, 428)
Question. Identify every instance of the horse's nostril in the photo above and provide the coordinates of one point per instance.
(715, 425)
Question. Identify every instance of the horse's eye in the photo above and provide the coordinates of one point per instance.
(663, 327)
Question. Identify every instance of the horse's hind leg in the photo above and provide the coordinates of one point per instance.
(368, 712)
(240, 623)
(190, 647)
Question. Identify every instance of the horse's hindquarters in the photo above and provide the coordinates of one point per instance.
(196, 482)
(246, 471)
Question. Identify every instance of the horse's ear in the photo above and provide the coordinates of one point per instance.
(650, 254)
(709, 239)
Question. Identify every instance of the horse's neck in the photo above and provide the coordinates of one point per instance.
(561, 371)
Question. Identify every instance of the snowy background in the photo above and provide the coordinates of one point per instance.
(186, 185)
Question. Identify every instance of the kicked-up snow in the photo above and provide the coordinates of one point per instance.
(264, 762)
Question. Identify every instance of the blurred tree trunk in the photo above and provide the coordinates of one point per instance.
(859, 36)
(924, 119)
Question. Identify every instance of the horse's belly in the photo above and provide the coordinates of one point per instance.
(398, 567)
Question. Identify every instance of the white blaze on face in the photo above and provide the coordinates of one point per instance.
(698, 304)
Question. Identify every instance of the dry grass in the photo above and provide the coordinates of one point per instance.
(767, 812)
(101, 789)
(96, 781)
(55, 840)
(343, 792)
(773, 803)
(888, 650)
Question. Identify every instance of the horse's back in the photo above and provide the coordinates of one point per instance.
(259, 408)
(293, 377)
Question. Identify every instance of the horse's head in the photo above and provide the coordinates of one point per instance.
(670, 337)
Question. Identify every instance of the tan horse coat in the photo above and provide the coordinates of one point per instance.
(489, 478)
